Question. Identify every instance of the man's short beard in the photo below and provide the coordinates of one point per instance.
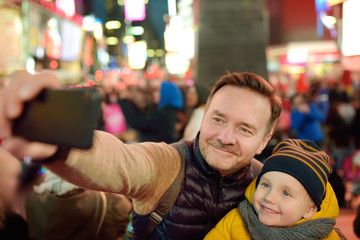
(217, 144)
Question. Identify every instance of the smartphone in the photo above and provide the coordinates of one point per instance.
(66, 117)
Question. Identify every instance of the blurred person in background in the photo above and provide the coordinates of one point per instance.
(337, 182)
(141, 97)
(306, 119)
(355, 126)
(157, 124)
(114, 119)
(350, 156)
(12, 225)
(58, 209)
(196, 98)
(283, 126)
(337, 92)
(339, 123)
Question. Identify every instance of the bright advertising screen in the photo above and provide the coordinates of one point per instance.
(351, 29)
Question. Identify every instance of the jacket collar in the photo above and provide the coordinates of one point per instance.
(207, 170)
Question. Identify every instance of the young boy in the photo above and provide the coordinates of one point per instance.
(290, 199)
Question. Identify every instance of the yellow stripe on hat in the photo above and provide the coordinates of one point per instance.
(276, 147)
(307, 146)
(318, 155)
(303, 153)
(315, 162)
(316, 172)
(296, 142)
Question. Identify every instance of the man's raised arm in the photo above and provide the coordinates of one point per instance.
(142, 171)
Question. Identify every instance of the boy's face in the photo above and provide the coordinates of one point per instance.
(280, 200)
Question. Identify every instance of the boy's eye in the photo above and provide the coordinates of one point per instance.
(265, 185)
(286, 193)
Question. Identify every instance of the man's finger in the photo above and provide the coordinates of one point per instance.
(12, 103)
(36, 83)
(20, 148)
(5, 126)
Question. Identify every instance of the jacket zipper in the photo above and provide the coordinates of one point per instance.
(218, 190)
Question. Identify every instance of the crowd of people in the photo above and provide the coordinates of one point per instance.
(42, 205)
(155, 111)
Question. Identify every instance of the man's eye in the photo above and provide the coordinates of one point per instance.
(245, 131)
(217, 120)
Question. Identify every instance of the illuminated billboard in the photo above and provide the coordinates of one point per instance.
(351, 30)
(134, 10)
(137, 54)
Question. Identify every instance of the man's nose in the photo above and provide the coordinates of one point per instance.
(227, 136)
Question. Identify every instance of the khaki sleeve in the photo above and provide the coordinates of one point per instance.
(141, 171)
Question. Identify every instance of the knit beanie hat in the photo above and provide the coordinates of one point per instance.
(303, 160)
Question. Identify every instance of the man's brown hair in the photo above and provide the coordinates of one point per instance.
(254, 83)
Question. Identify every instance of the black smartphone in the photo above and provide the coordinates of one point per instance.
(66, 117)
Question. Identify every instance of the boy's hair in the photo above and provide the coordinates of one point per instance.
(254, 83)
(303, 160)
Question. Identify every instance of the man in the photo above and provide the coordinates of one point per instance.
(239, 119)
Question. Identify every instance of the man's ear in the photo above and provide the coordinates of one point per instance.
(310, 212)
(264, 142)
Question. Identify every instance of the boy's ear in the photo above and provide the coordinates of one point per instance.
(310, 212)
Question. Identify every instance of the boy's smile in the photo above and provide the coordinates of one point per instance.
(267, 210)
(281, 200)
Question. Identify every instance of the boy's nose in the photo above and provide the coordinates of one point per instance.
(270, 197)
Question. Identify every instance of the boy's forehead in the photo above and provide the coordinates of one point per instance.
(283, 179)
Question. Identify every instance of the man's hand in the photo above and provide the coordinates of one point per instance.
(23, 87)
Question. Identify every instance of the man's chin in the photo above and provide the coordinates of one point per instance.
(217, 164)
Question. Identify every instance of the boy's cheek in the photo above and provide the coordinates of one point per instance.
(256, 200)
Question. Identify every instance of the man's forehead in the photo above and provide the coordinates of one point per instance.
(240, 103)
(238, 97)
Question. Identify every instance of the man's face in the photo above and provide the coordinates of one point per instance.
(280, 200)
(234, 129)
